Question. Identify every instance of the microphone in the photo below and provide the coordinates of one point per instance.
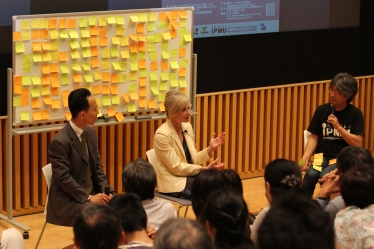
(332, 109)
(107, 190)
(186, 132)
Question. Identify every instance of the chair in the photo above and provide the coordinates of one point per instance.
(47, 172)
(151, 155)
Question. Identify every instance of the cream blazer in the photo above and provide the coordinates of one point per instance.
(171, 164)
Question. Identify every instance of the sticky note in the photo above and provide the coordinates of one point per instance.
(45, 115)
(88, 77)
(142, 102)
(133, 87)
(64, 34)
(140, 28)
(46, 46)
(114, 52)
(46, 69)
(184, 63)
(134, 18)
(46, 56)
(161, 107)
(25, 116)
(115, 40)
(103, 32)
(120, 31)
(36, 46)
(106, 101)
(125, 54)
(94, 62)
(154, 65)
(174, 64)
(20, 47)
(142, 82)
(153, 76)
(62, 23)
(164, 66)
(182, 23)
(76, 67)
(166, 36)
(97, 75)
(165, 55)
(164, 76)
(44, 34)
(134, 66)
(151, 103)
(187, 37)
(47, 99)
(143, 92)
(74, 44)
(102, 21)
(55, 104)
(151, 26)
(64, 80)
(119, 116)
(77, 78)
(141, 64)
(94, 51)
(183, 14)
(116, 65)
(94, 30)
(54, 80)
(103, 41)
(52, 24)
(141, 46)
(133, 48)
(151, 48)
(175, 24)
(125, 96)
(94, 41)
(35, 24)
(86, 66)
(36, 80)
(92, 20)
(115, 100)
(17, 36)
(37, 115)
(182, 72)
(115, 78)
(163, 86)
(45, 80)
(154, 88)
(134, 37)
(182, 32)
(63, 56)
(53, 34)
(106, 76)
(111, 20)
(72, 23)
(110, 111)
(105, 65)
(131, 107)
(153, 56)
(120, 20)
(85, 43)
(124, 41)
(182, 83)
(161, 24)
(26, 36)
(83, 22)
(133, 76)
(26, 63)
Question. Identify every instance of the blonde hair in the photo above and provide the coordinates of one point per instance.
(174, 103)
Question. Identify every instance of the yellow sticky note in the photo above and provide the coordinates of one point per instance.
(153, 76)
(125, 54)
(166, 36)
(134, 95)
(85, 43)
(36, 80)
(92, 20)
(131, 107)
(165, 55)
(182, 83)
(116, 65)
(97, 75)
(187, 37)
(106, 101)
(120, 20)
(174, 64)
(111, 20)
(133, 76)
(26, 36)
(119, 116)
(88, 78)
(161, 97)
(83, 22)
(122, 78)
(20, 47)
(163, 86)
(143, 17)
(46, 56)
(134, 18)
(34, 92)
(114, 52)
(25, 116)
(124, 41)
(115, 100)
(74, 44)
(164, 76)
(120, 30)
(134, 66)
(115, 40)
(35, 24)
(184, 63)
(102, 21)
(105, 65)
(151, 26)
(86, 52)
(25, 25)
(64, 80)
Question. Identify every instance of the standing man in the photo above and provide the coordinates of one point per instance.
(78, 178)
(334, 126)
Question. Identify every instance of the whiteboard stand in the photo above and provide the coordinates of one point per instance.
(9, 219)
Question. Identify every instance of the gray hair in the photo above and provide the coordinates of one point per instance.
(346, 84)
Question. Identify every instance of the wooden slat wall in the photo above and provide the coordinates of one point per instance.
(262, 124)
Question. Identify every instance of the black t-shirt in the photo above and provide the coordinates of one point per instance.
(330, 142)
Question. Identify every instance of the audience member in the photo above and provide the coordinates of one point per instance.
(97, 227)
(347, 158)
(296, 222)
(133, 220)
(354, 225)
(178, 233)
(11, 238)
(206, 182)
(177, 161)
(334, 126)
(225, 216)
(139, 177)
(233, 180)
(282, 178)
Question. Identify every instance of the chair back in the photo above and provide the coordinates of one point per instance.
(47, 172)
(151, 156)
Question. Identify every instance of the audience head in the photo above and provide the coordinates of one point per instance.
(346, 85)
(233, 179)
(357, 186)
(98, 226)
(282, 178)
(296, 222)
(175, 102)
(351, 156)
(225, 215)
(131, 211)
(182, 234)
(139, 177)
(205, 182)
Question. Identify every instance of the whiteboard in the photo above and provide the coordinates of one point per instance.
(128, 60)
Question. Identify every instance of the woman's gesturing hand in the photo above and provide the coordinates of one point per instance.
(216, 142)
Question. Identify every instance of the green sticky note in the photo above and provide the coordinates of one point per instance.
(114, 52)
(73, 34)
(25, 116)
(92, 20)
(26, 63)
(16, 101)
(120, 20)
(182, 32)
(20, 47)
(143, 73)
(158, 37)
(35, 92)
(37, 57)
(161, 97)
(64, 80)
(153, 56)
(165, 55)
(106, 101)
(76, 67)
(153, 76)
(83, 22)
(173, 53)
(143, 17)
(151, 48)
(174, 64)
(133, 57)
(86, 66)
(116, 65)
(63, 34)
(74, 44)
(88, 78)
(164, 76)
(115, 100)
(133, 88)
(123, 66)
(64, 68)
(150, 39)
(111, 20)
(182, 83)
(85, 43)
(122, 78)
(173, 83)
(134, 66)
(26, 81)
(86, 52)
(163, 86)
(151, 26)
(187, 37)
(141, 55)
(26, 36)
(165, 46)
(161, 24)
(184, 63)
(131, 107)
(36, 80)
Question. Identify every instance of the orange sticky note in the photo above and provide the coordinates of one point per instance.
(94, 41)
(43, 34)
(103, 32)
(182, 52)
(62, 23)
(65, 96)
(94, 62)
(114, 89)
(142, 102)
(17, 36)
(54, 80)
(96, 89)
(72, 23)
(45, 80)
(143, 92)
(126, 97)
(183, 14)
(182, 72)
(110, 111)
(154, 65)
(115, 78)
(36, 46)
(151, 103)
(105, 89)
(161, 107)
(134, 37)
(45, 115)
(94, 30)
(24, 101)
(35, 103)
(103, 41)
(141, 63)
(105, 76)
(17, 89)
(54, 67)
(68, 116)
(63, 56)
(133, 48)
(55, 91)
(37, 115)
(119, 116)
(170, 17)
(17, 80)
(175, 14)
(52, 24)
(25, 93)
(164, 65)
(55, 104)
(46, 69)
(35, 35)
(94, 51)
(142, 47)
(77, 78)
(140, 28)
(47, 100)
(173, 33)
(161, 16)
(142, 82)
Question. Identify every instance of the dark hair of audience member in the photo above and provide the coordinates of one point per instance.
(139, 177)
(296, 222)
(205, 182)
(98, 226)
(284, 178)
(131, 211)
(357, 186)
(227, 212)
(77, 101)
(178, 233)
(233, 180)
(352, 155)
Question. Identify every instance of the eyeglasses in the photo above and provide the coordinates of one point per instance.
(336, 92)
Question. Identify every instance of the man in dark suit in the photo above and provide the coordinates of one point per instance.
(78, 178)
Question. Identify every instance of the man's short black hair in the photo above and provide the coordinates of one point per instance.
(130, 209)
(296, 222)
(351, 156)
(98, 226)
(139, 177)
(78, 102)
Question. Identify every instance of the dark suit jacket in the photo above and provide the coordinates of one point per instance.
(67, 194)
